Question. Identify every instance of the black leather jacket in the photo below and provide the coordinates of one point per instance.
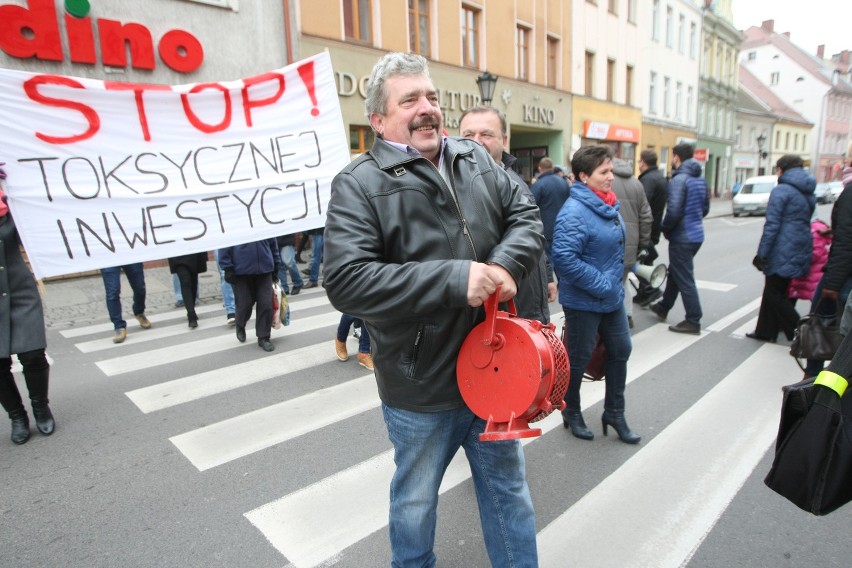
(398, 250)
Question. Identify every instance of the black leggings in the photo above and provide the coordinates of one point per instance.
(36, 372)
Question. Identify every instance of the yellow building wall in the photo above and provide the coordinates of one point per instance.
(324, 19)
(585, 108)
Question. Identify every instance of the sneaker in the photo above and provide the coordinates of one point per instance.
(310, 285)
(340, 350)
(232, 318)
(144, 323)
(365, 360)
(686, 327)
(120, 335)
(661, 312)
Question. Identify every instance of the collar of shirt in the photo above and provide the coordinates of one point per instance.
(413, 152)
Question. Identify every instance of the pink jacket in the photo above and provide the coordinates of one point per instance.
(802, 288)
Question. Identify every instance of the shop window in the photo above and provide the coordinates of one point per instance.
(470, 36)
(357, 15)
(361, 138)
(419, 27)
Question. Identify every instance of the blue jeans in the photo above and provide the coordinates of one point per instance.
(317, 242)
(826, 308)
(289, 266)
(112, 286)
(227, 291)
(583, 328)
(681, 279)
(346, 322)
(424, 444)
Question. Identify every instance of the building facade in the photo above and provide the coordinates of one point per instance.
(525, 44)
(717, 99)
(817, 89)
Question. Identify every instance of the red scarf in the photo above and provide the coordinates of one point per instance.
(607, 197)
(3, 207)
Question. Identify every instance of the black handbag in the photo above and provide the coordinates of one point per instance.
(817, 336)
(813, 452)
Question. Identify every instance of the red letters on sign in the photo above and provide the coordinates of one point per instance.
(249, 104)
(91, 116)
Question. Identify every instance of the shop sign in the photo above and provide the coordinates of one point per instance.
(32, 31)
(701, 154)
(606, 131)
(744, 162)
(539, 115)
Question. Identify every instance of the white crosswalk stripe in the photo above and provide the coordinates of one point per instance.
(706, 460)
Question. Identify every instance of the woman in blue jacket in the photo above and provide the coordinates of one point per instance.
(588, 256)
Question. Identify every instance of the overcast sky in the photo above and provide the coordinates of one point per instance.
(810, 22)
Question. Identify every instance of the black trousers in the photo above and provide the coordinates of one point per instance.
(188, 288)
(36, 373)
(251, 289)
(776, 310)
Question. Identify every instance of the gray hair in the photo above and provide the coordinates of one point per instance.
(391, 64)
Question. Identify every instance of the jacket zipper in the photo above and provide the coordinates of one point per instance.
(455, 197)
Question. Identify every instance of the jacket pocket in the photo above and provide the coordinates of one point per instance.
(415, 357)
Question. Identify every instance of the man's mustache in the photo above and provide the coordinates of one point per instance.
(427, 122)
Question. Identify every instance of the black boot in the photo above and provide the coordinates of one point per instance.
(20, 426)
(618, 422)
(43, 417)
(573, 420)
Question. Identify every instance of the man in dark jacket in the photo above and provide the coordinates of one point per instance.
(487, 125)
(421, 230)
(687, 204)
(550, 191)
(654, 183)
(786, 246)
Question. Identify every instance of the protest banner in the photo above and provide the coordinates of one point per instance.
(104, 173)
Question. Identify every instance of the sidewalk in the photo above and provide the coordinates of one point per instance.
(80, 301)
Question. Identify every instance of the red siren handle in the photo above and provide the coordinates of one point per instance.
(491, 309)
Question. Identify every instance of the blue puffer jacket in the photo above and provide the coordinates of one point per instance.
(686, 206)
(786, 243)
(254, 258)
(588, 252)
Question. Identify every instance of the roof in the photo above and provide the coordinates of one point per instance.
(759, 91)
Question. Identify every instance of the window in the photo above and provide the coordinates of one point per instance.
(610, 79)
(739, 138)
(787, 141)
(693, 40)
(613, 7)
(360, 138)
(667, 83)
(628, 86)
(655, 21)
(681, 34)
(418, 27)
(552, 61)
(652, 94)
(796, 141)
(689, 97)
(678, 99)
(752, 55)
(356, 20)
(590, 74)
(631, 11)
(669, 26)
(774, 78)
(470, 36)
(522, 62)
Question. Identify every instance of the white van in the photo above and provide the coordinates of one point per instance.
(753, 197)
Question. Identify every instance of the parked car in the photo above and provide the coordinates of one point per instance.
(836, 188)
(823, 193)
(753, 197)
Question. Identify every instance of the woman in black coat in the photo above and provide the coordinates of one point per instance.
(21, 333)
(188, 267)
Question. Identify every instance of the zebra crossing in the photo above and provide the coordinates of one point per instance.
(686, 474)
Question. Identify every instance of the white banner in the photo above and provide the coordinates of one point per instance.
(103, 173)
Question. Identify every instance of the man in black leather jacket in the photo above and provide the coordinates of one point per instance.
(421, 230)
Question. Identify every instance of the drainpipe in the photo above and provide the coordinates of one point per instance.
(288, 37)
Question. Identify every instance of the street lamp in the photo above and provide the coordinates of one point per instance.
(486, 83)
(761, 140)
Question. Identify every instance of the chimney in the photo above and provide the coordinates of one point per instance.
(821, 51)
(844, 56)
(786, 34)
(768, 26)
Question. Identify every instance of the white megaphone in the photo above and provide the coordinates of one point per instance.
(655, 275)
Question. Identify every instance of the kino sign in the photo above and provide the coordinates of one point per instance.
(33, 32)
